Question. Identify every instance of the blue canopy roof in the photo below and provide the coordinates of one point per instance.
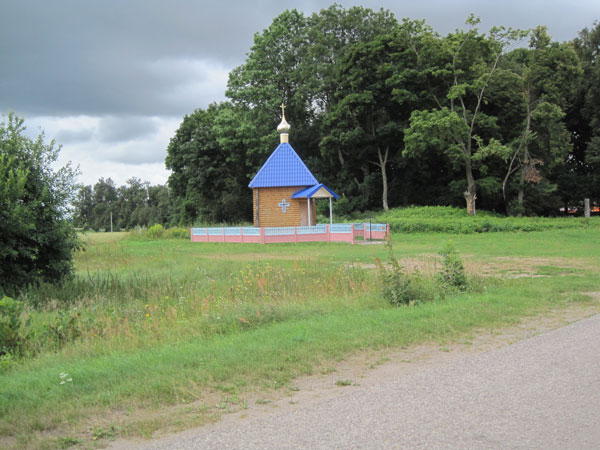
(283, 168)
(310, 191)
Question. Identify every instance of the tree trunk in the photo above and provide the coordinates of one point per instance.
(382, 165)
(521, 193)
(471, 192)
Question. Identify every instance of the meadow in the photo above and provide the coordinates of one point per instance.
(156, 334)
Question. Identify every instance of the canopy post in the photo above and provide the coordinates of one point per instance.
(330, 212)
(308, 203)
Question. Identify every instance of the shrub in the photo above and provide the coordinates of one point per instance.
(446, 219)
(452, 274)
(10, 326)
(36, 236)
(155, 231)
(63, 329)
(177, 233)
(397, 286)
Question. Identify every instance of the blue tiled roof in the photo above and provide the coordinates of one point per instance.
(310, 191)
(283, 168)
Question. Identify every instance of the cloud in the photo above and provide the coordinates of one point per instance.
(116, 129)
(111, 80)
(116, 147)
(134, 57)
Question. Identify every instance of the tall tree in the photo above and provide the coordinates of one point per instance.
(209, 171)
(105, 204)
(544, 76)
(83, 207)
(463, 63)
(583, 118)
(377, 85)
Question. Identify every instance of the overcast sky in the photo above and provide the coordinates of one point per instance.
(111, 80)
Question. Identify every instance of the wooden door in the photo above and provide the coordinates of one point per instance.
(303, 213)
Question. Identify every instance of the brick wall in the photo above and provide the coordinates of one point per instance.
(268, 213)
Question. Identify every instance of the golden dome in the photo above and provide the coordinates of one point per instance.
(283, 127)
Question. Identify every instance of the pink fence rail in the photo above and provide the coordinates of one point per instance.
(341, 232)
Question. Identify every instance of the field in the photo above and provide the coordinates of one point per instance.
(162, 334)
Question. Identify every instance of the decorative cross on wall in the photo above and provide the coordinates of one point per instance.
(283, 205)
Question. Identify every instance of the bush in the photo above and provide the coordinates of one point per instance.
(10, 326)
(452, 275)
(155, 231)
(446, 219)
(177, 233)
(36, 237)
(397, 286)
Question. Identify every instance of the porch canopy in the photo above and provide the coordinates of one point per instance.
(317, 191)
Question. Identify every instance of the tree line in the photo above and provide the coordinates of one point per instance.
(107, 207)
(391, 113)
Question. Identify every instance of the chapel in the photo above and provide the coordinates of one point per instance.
(284, 189)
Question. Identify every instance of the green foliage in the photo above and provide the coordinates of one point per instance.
(36, 237)
(398, 286)
(177, 233)
(452, 274)
(155, 231)
(391, 114)
(447, 219)
(209, 164)
(63, 327)
(135, 204)
(11, 325)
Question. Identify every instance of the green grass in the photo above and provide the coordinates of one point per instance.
(167, 322)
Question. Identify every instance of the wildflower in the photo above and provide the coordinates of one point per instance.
(63, 378)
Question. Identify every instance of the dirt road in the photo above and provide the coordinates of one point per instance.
(540, 392)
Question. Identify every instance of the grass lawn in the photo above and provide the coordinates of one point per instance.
(167, 325)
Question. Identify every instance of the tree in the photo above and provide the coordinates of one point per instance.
(105, 204)
(83, 207)
(36, 238)
(296, 60)
(460, 66)
(208, 159)
(583, 119)
(542, 77)
(377, 87)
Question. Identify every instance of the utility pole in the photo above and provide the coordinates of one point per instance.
(586, 207)
(111, 230)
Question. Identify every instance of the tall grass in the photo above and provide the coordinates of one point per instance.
(142, 307)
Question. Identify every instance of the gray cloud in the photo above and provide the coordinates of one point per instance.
(112, 57)
(125, 129)
(111, 80)
(74, 135)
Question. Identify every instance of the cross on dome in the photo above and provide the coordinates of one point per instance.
(283, 128)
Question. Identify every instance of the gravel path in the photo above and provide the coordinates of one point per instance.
(541, 392)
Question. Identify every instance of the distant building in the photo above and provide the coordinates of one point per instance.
(283, 190)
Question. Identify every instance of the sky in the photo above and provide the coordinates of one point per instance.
(111, 80)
